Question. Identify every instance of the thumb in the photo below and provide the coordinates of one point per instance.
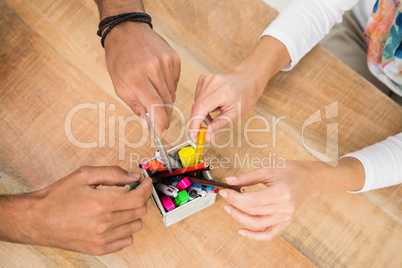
(219, 122)
(145, 187)
(196, 120)
(109, 175)
(252, 177)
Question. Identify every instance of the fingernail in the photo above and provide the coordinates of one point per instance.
(223, 194)
(232, 179)
(208, 134)
(163, 133)
(143, 123)
(207, 138)
(227, 209)
(193, 136)
(134, 175)
(242, 233)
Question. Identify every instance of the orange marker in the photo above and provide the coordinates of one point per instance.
(153, 165)
(199, 149)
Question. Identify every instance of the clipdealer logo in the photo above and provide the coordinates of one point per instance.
(115, 130)
(331, 152)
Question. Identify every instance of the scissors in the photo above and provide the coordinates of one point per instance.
(158, 141)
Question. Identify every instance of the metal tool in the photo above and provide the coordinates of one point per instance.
(158, 141)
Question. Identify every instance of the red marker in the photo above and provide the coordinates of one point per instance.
(199, 167)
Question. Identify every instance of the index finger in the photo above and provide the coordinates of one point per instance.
(249, 200)
(136, 198)
(155, 106)
(195, 125)
(252, 177)
(200, 113)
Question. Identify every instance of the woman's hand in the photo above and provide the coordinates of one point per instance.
(231, 94)
(236, 93)
(270, 210)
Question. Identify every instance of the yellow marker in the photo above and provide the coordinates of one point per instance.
(187, 156)
(199, 149)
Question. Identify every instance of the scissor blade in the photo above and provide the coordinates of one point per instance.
(164, 156)
(158, 141)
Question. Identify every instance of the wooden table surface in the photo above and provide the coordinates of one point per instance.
(52, 61)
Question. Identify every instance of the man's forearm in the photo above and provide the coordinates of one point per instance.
(15, 215)
(109, 8)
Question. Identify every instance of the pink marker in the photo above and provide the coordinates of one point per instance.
(143, 166)
(167, 203)
(183, 184)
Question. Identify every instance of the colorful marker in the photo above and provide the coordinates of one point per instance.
(204, 187)
(168, 190)
(182, 198)
(199, 148)
(183, 184)
(199, 167)
(153, 165)
(187, 156)
(194, 192)
(167, 203)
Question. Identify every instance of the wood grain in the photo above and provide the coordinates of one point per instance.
(50, 64)
(39, 153)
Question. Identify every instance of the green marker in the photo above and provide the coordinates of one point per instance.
(182, 198)
(134, 185)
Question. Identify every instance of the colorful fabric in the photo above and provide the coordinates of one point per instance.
(384, 39)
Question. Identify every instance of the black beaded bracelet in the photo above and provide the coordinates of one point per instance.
(113, 21)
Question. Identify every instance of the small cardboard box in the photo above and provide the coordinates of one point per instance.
(191, 207)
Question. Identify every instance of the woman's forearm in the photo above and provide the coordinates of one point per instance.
(347, 175)
(267, 59)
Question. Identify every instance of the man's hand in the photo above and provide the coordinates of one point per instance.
(145, 71)
(75, 214)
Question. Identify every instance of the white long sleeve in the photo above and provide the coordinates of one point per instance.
(382, 163)
(304, 23)
(300, 27)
